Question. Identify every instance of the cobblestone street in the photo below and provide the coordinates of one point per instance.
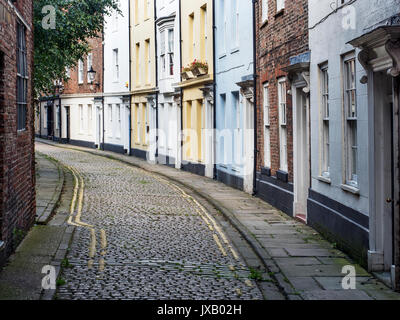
(138, 236)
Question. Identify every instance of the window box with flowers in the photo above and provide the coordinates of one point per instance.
(195, 69)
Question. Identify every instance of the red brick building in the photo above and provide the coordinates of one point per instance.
(281, 34)
(17, 161)
(80, 92)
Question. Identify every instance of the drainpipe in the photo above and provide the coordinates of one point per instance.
(214, 94)
(255, 97)
(180, 57)
(156, 75)
(130, 79)
(60, 120)
(102, 85)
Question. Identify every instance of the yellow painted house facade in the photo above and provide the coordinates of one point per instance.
(143, 78)
(197, 88)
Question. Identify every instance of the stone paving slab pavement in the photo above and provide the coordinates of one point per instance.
(21, 277)
(49, 183)
(300, 261)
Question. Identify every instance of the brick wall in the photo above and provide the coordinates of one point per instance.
(17, 161)
(72, 86)
(283, 36)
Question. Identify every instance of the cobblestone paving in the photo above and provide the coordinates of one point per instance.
(149, 239)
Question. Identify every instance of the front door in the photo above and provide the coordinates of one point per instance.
(50, 121)
(301, 155)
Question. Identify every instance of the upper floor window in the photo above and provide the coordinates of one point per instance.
(148, 8)
(162, 52)
(282, 124)
(264, 10)
(22, 78)
(89, 66)
(171, 52)
(267, 139)
(115, 65)
(280, 5)
(350, 110)
(80, 71)
(325, 143)
(235, 25)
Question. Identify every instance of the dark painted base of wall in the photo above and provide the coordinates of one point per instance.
(277, 193)
(113, 148)
(345, 226)
(139, 153)
(166, 160)
(230, 180)
(81, 143)
(196, 168)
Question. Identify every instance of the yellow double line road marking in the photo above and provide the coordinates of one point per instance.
(77, 199)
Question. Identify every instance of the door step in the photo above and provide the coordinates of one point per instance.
(302, 218)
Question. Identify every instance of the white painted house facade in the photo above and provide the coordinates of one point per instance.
(353, 196)
(168, 56)
(116, 83)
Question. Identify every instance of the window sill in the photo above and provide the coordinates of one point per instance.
(325, 179)
(350, 189)
(265, 23)
(279, 13)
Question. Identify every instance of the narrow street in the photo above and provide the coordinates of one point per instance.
(139, 236)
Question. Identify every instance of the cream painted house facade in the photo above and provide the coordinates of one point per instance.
(143, 79)
(198, 91)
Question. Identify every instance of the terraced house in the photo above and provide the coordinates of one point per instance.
(282, 108)
(197, 86)
(168, 75)
(116, 82)
(143, 79)
(74, 113)
(354, 194)
(234, 70)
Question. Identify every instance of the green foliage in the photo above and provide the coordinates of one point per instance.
(62, 47)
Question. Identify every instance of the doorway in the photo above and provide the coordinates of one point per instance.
(384, 168)
(301, 161)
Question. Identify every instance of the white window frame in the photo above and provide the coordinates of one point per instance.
(235, 26)
(324, 111)
(80, 71)
(267, 127)
(282, 106)
(162, 52)
(115, 65)
(280, 5)
(264, 10)
(350, 116)
(171, 44)
(89, 65)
